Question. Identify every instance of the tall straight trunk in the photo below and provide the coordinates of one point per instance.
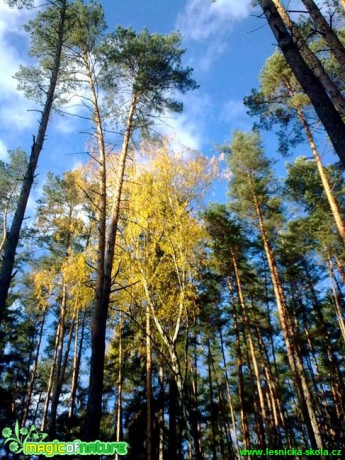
(102, 206)
(228, 393)
(330, 355)
(244, 420)
(195, 389)
(312, 360)
(172, 438)
(149, 397)
(78, 348)
(58, 364)
(326, 111)
(102, 297)
(250, 339)
(57, 389)
(224, 421)
(119, 430)
(279, 420)
(312, 60)
(212, 410)
(161, 412)
(324, 179)
(51, 377)
(337, 305)
(258, 424)
(30, 388)
(327, 32)
(295, 361)
(12, 237)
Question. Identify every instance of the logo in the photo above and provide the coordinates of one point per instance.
(20, 436)
(31, 441)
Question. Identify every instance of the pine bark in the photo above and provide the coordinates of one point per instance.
(312, 60)
(102, 297)
(326, 31)
(295, 361)
(324, 179)
(326, 111)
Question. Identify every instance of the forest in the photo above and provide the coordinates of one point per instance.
(143, 316)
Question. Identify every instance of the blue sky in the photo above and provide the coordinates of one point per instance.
(227, 45)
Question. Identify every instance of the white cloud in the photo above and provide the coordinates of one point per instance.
(202, 19)
(232, 110)
(186, 132)
(234, 114)
(189, 127)
(3, 150)
(213, 50)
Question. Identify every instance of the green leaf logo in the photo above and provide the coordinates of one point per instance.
(17, 437)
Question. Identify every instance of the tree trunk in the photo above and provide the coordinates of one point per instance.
(231, 407)
(336, 375)
(212, 413)
(223, 421)
(161, 412)
(12, 239)
(295, 361)
(327, 32)
(58, 365)
(186, 405)
(244, 421)
(102, 297)
(192, 435)
(51, 378)
(323, 105)
(250, 339)
(279, 420)
(119, 427)
(172, 440)
(337, 306)
(312, 60)
(195, 388)
(34, 369)
(78, 348)
(149, 415)
(340, 267)
(325, 182)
